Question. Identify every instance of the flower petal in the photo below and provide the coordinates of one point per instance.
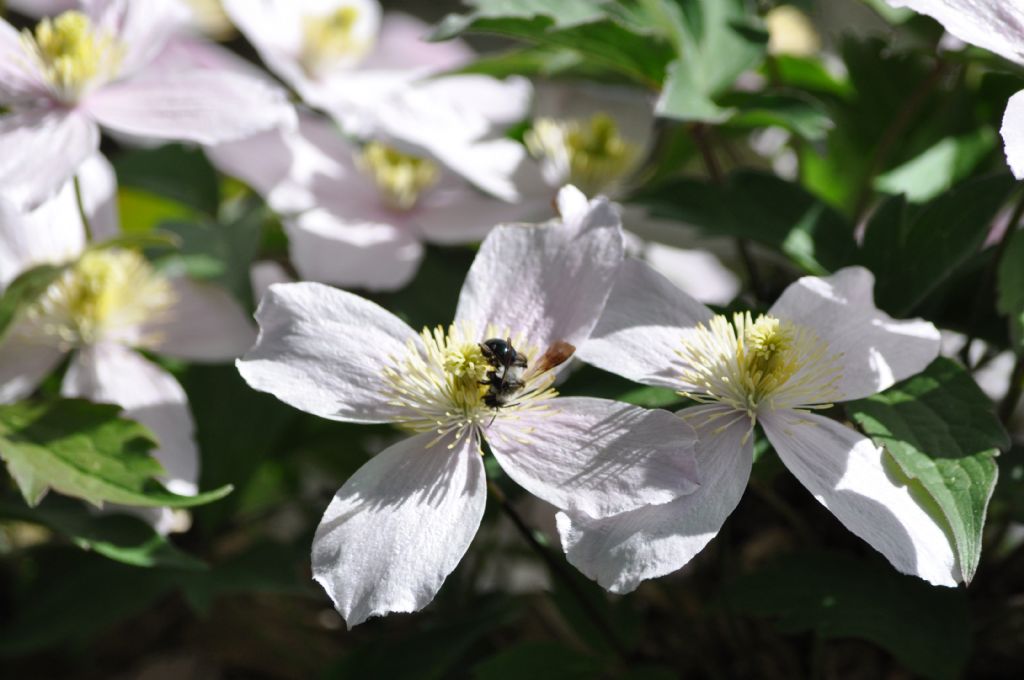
(52, 233)
(142, 29)
(996, 25)
(643, 326)
(323, 350)
(876, 351)
(204, 324)
(25, 362)
(353, 253)
(20, 78)
(41, 152)
(548, 282)
(621, 551)
(113, 374)
(463, 215)
(596, 456)
(206, 107)
(851, 477)
(1013, 134)
(402, 45)
(98, 182)
(399, 526)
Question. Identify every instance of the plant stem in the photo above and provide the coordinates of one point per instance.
(1009, 404)
(559, 571)
(81, 210)
(699, 132)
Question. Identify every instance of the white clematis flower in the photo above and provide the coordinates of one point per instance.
(85, 69)
(998, 26)
(107, 303)
(358, 216)
(401, 524)
(822, 342)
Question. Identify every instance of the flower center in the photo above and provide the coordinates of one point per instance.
(590, 154)
(107, 294)
(401, 178)
(443, 382)
(73, 54)
(331, 39)
(749, 364)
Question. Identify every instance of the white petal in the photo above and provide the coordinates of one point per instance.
(205, 107)
(630, 108)
(850, 476)
(399, 526)
(621, 551)
(113, 374)
(1013, 134)
(98, 184)
(402, 45)
(24, 362)
(141, 28)
(548, 282)
(596, 456)
(351, 252)
(996, 25)
(643, 326)
(463, 215)
(41, 8)
(41, 152)
(323, 350)
(50, 234)
(876, 351)
(204, 324)
(20, 78)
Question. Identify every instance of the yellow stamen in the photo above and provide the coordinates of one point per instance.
(401, 178)
(331, 38)
(593, 152)
(73, 53)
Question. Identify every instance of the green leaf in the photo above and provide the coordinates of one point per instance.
(122, 538)
(763, 208)
(1011, 288)
(940, 429)
(715, 41)
(143, 212)
(173, 171)
(539, 661)
(604, 39)
(836, 596)
(911, 252)
(85, 450)
(25, 290)
(937, 169)
(796, 112)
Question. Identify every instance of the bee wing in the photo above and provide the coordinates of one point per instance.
(558, 353)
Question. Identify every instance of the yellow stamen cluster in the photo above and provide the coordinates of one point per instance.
(438, 383)
(73, 54)
(105, 294)
(750, 364)
(401, 178)
(593, 152)
(331, 39)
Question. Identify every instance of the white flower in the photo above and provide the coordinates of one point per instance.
(107, 302)
(357, 216)
(400, 525)
(91, 68)
(996, 25)
(822, 342)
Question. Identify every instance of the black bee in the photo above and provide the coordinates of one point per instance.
(504, 379)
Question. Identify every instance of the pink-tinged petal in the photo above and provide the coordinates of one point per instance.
(112, 374)
(546, 282)
(141, 28)
(996, 25)
(596, 456)
(50, 234)
(621, 551)
(205, 107)
(399, 526)
(874, 351)
(353, 253)
(25, 362)
(643, 327)
(264, 274)
(492, 166)
(401, 45)
(463, 215)
(204, 324)
(21, 80)
(41, 8)
(1013, 134)
(852, 477)
(42, 150)
(324, 351)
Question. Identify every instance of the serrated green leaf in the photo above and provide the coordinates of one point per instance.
(926, 628)
(940, 429)
(937, 169)
(796, 112)
(118, 537)
(85, 450)
(1011, 288)
(912, 252)
(24, 290)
